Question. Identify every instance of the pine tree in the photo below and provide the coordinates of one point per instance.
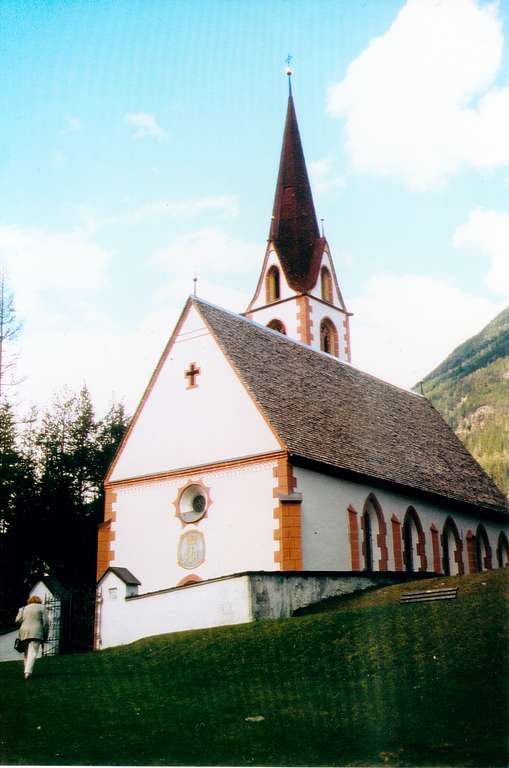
(18, 534)
(74, 453)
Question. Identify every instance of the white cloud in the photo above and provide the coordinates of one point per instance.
(323, 178)
(67, 340)
(488, 232)
(225, 205)
(63, 262)
(404, 326)
(209, 251)
(145, 126)
(408, 99)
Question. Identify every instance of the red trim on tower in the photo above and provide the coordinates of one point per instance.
(304, 322)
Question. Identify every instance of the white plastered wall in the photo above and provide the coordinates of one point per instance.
(286, 312)
(238, 528)
(325, 526)
(179, 427)
(213, 604)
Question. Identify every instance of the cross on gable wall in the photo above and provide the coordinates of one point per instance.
(191, 375)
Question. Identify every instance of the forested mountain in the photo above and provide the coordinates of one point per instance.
(471, 391)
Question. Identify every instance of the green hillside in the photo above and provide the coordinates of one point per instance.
(365, 681)
(471, 391)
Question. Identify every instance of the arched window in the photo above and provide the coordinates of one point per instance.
(374, 536)
(414, 543)
(482, 549)
(452, 562)
(367, 544)
(409, 535)
(278, 326)
(272, 285)
(328, 337)
(326, 284)
(503, 551)
(191, 579)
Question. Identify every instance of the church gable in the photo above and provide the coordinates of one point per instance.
(192, 409)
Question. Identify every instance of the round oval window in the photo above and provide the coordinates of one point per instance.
(193, 504)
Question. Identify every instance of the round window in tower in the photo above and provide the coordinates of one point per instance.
(192, 503)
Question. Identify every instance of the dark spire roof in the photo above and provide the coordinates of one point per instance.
(294, 228)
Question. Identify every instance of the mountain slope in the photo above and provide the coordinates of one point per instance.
(471, 391)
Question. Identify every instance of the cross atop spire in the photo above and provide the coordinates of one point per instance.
(294, 227)
(289, 73)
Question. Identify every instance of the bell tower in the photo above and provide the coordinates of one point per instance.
(298, 292)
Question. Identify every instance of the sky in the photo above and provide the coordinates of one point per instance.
(139, 148)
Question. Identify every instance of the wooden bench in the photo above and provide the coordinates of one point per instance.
(447, 593)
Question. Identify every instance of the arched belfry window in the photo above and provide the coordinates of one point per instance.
(326, 285)
(278, 326)
(272, 285)
(328, 337)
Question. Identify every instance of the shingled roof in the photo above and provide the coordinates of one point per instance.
(329, 412)
(294, 228)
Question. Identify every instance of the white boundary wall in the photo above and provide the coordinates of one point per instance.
(7, 652)
(124, 616)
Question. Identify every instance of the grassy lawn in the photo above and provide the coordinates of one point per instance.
(362, 681)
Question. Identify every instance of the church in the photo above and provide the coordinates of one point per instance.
(262, 471)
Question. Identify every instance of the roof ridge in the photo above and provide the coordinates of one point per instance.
(302, 345)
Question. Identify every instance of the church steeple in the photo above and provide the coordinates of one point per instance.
(294, 227)
(298, 292)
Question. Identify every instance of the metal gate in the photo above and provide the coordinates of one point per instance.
(71, 620)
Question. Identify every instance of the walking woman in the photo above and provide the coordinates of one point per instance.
(33, 631)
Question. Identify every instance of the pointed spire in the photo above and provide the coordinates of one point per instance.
(294, 227)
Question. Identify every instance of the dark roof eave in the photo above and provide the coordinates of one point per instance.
(348, 474)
